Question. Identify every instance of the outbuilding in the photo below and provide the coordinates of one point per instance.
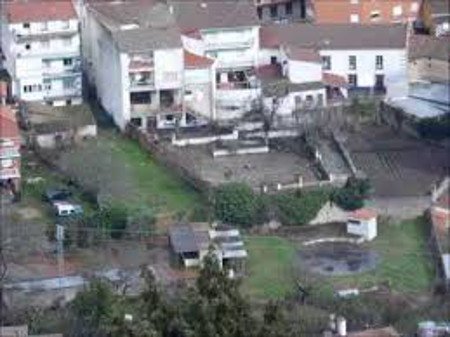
(363, 222)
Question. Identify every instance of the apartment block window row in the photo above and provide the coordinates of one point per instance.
(379, 62)
(32, 88)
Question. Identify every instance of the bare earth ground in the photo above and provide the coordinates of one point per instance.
(255, 169)
(398, 166)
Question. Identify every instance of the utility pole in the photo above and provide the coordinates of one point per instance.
(60, 251)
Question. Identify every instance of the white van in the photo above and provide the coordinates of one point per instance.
(65, 208)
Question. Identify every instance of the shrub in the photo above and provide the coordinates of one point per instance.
(236, 204)
(353, 194)
(299, 208)
(113, 218)
(435, 128)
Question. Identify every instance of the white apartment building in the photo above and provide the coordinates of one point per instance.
(41, 49)
(371, 58)
(135, 59)
(228, 32)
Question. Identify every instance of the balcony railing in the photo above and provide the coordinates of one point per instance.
(142, 82)
(9, 173)
(213, 45)
(9, 152)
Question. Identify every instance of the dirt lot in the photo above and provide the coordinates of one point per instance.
(397, 165)
(276, 166)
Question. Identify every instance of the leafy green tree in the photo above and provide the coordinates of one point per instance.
(274, 322)
(353, 194)
(113, 218)
(236, 204)
(93, 309)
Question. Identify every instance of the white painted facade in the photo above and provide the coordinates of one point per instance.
(303, 72)
(394, 67)
(200, 89)
(43, 60)
(365, 228)
(109, 71)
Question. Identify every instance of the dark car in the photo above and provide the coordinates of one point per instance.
(57, 194)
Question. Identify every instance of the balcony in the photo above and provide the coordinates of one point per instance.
(68, 92)
(226, 45)
(142, 80)
(9, 173)
(62, 72)
(9, 152)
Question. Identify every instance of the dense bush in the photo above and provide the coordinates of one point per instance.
(436, 128)
(353, 194)
(236, 204)
(299, 208)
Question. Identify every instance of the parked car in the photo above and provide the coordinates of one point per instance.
(55, 194)
(66, 208)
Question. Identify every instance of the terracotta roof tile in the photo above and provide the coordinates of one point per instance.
(303, 54)
(40, 10)
(363, 214)
(334, 80)
(8, 123)
(196, 61)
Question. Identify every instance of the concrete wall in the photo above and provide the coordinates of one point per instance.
(286, 105)
(394, 61)
(429, 70)
(365, 228)
(169, 68)
(200, 83)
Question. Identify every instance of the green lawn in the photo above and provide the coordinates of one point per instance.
(269, 267)
(406, 263)
(121, 171)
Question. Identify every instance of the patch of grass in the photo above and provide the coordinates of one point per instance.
(119, 171)
(406, 264)
(269, 267)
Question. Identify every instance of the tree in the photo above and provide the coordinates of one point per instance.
(236, 204)
(353, 194)
(93, 309)
(274, 322)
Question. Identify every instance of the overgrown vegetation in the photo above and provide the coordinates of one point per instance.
(353, 195)
(435, 128)
(238, 204)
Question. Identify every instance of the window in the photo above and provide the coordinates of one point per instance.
(273, 60)
(47, 85)
(273, 11)
(28, 46)
(67, 42)
(397, 10)
(289, 8)
(26, 25)
(379, 81)
(68, 83)
(32, 88)
(353, 80)
(298, 101)
(352, 62)
(354, 18)
(259, 10)
(320, 99)
(67, 62)
(326, 62)
(379, 62)
(143, 97)
(46, 63)
(68, 102)
(375, 15)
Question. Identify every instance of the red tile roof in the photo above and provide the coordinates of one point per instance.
(268, 38)
(334, 80)
(8, 123)
(363, 214)
(303, 54)
(40, 10)
(196, 61)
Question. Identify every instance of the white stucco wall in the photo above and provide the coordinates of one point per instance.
(394, 61)
(200, 83)
(169, 68)
(237, 47)
(302, 72)
(195, 46)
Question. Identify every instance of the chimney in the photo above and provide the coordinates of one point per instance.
(341, 326)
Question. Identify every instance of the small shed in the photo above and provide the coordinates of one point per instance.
(188, 245)
(363, 222)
